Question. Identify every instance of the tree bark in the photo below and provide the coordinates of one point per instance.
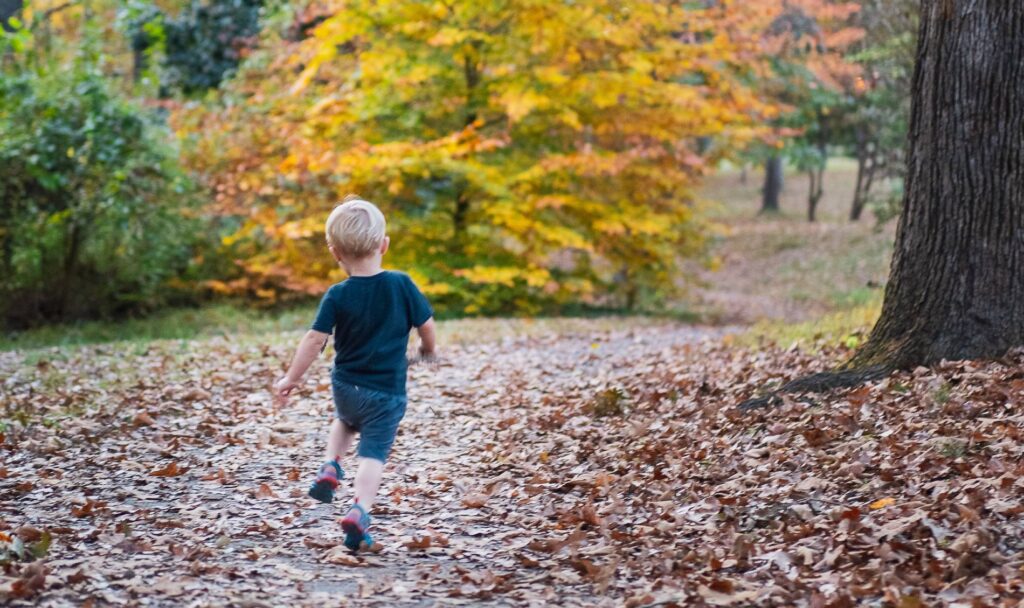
(956, 286)
(772, 184)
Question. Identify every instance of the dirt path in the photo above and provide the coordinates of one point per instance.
(189, 489)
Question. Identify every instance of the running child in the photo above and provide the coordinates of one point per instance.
(371, 314)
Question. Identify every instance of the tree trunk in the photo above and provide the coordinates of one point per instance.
(816, 176)
(471, 72)
(772, 184)
(956, 287)
(859, 190)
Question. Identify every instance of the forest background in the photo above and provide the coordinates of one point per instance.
(531, 157)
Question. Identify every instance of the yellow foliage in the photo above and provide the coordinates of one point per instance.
(524, 152)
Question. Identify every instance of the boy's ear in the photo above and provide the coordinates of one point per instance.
(334, 253)
(385, 244)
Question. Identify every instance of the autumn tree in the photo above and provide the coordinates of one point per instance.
(524, 152)
(811, 79)
(878, 122)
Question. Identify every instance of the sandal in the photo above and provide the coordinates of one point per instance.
(356, 526)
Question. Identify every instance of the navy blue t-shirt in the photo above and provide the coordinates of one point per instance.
(371, 318)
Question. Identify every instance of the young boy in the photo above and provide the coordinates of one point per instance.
(371, 314)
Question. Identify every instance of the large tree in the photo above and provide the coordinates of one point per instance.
(956, 288)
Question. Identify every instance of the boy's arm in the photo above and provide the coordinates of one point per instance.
(309, 348)
(428, 339)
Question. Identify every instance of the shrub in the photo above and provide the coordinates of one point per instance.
(94, 216)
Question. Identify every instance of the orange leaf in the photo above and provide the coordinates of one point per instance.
(881, 503)
(171, 470)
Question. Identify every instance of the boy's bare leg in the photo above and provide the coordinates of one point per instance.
(368, 481)
(338, 441)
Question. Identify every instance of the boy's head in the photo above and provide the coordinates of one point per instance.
(355, 229)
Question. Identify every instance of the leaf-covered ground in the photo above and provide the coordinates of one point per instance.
(596, 467)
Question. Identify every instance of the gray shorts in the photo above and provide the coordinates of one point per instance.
(374, 414)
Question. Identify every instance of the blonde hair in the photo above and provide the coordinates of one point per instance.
(355, 229)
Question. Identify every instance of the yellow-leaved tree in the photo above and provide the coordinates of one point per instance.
(528, 154)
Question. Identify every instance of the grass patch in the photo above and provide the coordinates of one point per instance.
(176, 324)
(849, 327)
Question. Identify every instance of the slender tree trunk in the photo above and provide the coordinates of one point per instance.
(956, 288)
(772, 185)
(859, 193)
(868, 164)
(459, 216)
(816, 176)
(471, 72)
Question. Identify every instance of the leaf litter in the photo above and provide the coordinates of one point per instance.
(603, 468)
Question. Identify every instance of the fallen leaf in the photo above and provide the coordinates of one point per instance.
(29, 534)
(170, 470)
(475, 500)
(881, 503)
(418, 542)
(341, 556)
(31, 581)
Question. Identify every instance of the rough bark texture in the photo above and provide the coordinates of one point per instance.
(772, 185)
(956, 288)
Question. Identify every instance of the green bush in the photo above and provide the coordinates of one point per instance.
(94, 219)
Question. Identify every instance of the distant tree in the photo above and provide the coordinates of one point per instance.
(773, 182)
(804, 42)
(878, 123)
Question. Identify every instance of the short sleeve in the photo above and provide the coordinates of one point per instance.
(419, 307)
(325, 315)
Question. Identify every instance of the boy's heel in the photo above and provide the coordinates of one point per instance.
(355, 527)
(326, 482)
(323, 490)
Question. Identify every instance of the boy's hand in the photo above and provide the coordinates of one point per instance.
(427, 357)
(283, 387)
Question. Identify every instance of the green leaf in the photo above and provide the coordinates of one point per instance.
(41, 547)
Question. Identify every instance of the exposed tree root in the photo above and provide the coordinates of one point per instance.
(818, 383)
